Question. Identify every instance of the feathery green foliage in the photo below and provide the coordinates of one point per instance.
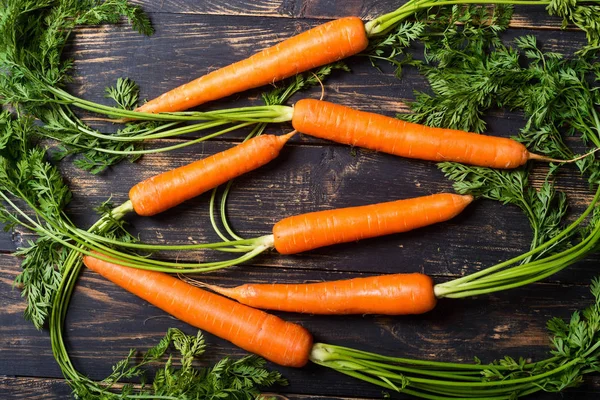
(231, 379)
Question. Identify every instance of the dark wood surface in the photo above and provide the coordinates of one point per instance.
(192, 37)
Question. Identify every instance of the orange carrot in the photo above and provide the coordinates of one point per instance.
(321, 45)
(304, 232)
(253, 330)
(309, 231)
(396, 294)
(173, 187)
(390, 135)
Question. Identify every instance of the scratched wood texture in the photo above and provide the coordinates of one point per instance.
(193, 37)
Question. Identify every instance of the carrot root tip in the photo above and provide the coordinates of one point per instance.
(287, 136)
(539, 157)
(227, 292)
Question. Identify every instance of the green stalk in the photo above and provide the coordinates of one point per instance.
(86, 246)
(256, 131)
(384, 23)
(182, 130)
(160, 247)
(276, 113)
(472, 393)
(148, 136)
(426, 372)
(361, 365)
(329, 352)
(561, 260)
(60, 304)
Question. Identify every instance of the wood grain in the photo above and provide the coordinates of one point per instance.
(530, 17)
(193, 37)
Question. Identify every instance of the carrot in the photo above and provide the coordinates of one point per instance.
(309, 231)
(253, 330)
(321, 45)
(396, 294)
(390, 135)
(305, 232)
(173, 187)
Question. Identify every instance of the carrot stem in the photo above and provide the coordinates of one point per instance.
(328, 352)
(161, 135)
(533, 156)
(86, 246)
(384, 23)
(440, 374)
(274, 113)
(256, 131)
(186, 143)
(223, 212)
(160, 247)
(127, 260)
(446, 383)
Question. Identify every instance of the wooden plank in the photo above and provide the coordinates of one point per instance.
(15, 388)
(8, 240)
(33, 388)
(259, 8)
(104, 322)
(530, 17)
(55, 389)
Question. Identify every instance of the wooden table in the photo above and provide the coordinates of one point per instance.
(104, 322)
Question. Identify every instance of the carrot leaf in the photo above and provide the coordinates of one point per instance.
(33, 35)
(544, 207)
(585, 17)
(27, 176)
(125, 93)
(238, 379)
(392, 48)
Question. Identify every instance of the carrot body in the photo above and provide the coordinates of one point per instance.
(309, 231)
(321, 45)
(390, 135)
(253, 330)
(173, 187)
(397, 294)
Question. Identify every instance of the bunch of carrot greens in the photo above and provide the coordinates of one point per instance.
(52, 264)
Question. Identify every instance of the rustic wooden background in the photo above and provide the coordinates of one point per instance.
(192, 37)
